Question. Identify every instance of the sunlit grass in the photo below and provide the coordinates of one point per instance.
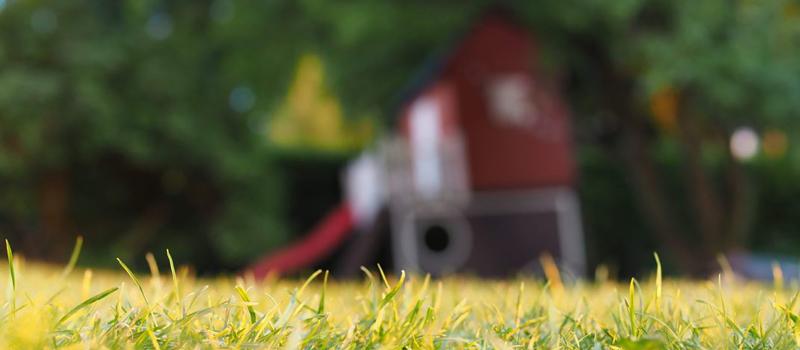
(73, 308)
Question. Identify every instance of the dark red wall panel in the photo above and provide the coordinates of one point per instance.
(503, 155)
(508, 156)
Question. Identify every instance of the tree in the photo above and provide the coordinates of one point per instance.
(139, 125)
(704, 69)
(148, 117)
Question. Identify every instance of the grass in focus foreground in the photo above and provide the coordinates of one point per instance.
(45, 307)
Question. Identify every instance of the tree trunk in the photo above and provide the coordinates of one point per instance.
(652, 200)
(707, 209)
(53, 205)
(740, 199)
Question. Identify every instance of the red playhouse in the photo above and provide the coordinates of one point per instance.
(477, 177)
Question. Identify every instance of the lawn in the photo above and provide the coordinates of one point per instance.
(168, 308)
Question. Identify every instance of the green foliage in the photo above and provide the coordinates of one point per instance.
(374, 48)
(141, 124)
(734, 61)
(126, 114)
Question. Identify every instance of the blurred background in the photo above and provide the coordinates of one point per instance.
(220, 129)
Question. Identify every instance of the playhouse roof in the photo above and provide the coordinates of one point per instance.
(433, 67)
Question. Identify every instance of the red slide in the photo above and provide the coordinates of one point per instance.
(312, 248)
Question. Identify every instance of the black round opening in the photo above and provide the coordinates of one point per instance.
(437, 238)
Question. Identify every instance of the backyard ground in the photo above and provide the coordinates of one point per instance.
(74, 308)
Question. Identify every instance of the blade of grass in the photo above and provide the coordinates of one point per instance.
(632, 307)
(135, 280)
(321, 307)
(518, 308)
(392, 291)
(13, 279)
(175, 285)
(152, 265)
(153, 339)
(307, 282)
(73, 258)
(658, 283)
(383, 277)
(11, 272)
(246, 298)
(777, 276)
(86, 303)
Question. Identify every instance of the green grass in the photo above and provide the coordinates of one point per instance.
(74, 308)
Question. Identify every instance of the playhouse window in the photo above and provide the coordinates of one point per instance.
(425, 125)
(510, 100)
